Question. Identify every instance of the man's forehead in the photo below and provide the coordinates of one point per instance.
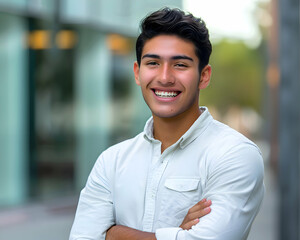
(172, 57)
(169, 46)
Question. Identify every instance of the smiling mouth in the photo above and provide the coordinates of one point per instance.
(165, 94)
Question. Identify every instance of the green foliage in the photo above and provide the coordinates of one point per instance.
(237, 77)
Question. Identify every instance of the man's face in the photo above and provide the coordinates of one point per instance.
(169, 76)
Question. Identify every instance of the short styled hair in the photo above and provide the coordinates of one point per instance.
(176, 22)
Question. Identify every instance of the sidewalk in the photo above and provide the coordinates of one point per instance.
(52, 221)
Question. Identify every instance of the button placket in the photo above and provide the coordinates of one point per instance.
(154, 177)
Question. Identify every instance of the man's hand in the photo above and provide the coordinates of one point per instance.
(199, 210)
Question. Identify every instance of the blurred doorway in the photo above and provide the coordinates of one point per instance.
(51, 108)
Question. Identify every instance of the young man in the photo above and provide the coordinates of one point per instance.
(151, 186)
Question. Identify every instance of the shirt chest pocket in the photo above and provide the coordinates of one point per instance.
(182, 185)
(179, 195)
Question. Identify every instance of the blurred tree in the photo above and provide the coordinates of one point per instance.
(237, 77)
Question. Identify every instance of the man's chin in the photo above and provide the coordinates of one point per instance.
(166, 114)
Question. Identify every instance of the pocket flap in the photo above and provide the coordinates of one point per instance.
(182, 184)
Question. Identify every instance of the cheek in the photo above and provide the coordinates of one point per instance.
(145, 78)
(191, 80)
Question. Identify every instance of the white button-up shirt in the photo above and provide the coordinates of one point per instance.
(133, 184)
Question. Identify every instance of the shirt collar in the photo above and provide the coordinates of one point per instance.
(190, 135)
(148, 130)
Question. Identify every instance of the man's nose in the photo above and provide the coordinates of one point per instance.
(166, 75)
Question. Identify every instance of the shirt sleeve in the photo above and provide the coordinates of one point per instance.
(235, 187)
(94, 215)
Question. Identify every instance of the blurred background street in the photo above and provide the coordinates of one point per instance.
(67, 92)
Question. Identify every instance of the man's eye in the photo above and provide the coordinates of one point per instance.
(181, 65)
(152, 63)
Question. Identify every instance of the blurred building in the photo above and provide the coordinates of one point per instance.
(67, 90)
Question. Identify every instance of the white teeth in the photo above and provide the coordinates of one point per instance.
(165, 94)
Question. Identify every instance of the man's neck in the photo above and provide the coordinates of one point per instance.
(169, 130)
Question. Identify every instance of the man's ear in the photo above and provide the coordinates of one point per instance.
(205, 77)
(136, 70)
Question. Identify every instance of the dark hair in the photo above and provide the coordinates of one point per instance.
(176, 22)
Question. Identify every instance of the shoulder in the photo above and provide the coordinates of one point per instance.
(225, 139)
(229, 149)
(126, 144)
(115, 151)
(107, 161)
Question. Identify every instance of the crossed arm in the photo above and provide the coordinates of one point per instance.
(119, 232)
(236, 189)
(235, 186)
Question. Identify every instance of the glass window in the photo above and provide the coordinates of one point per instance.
(51, 50)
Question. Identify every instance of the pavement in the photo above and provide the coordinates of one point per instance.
(53, 220)
(38, 221)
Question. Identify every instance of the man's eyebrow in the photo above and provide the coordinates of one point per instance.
(177, 57)
(182, 57)
(151, 56)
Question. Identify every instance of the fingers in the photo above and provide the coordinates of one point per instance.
(200, 213)
(189, 224)
(200, 206)
(199, 210)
